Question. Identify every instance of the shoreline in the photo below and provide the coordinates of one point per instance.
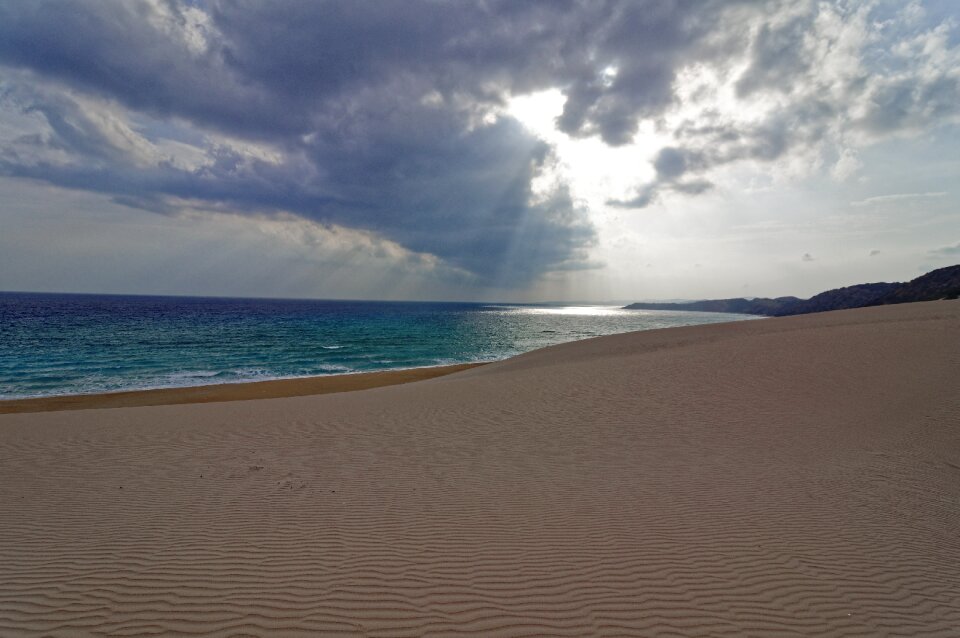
(239, 391)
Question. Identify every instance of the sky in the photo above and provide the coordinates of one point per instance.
(490, 150)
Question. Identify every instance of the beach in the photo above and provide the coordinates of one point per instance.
(795, 476)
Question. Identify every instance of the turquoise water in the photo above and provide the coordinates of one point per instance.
(75, 344)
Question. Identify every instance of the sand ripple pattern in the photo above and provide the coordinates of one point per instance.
(785, 477)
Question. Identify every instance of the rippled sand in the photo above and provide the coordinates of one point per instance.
(784, 477)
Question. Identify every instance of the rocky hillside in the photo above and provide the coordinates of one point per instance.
(943, 283)
(840, 299)
(758, 306)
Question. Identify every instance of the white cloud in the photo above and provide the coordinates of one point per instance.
(896, 197)
(847, 165)
(947, 251)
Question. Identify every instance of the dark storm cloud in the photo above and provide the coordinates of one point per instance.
(671, 164)
(411, 174)
(777, 57)
(339, 89)
(319, 51)
(627, 68)
(134, 52)
(376, 110)
(616, 61)
(270, 68)
(447, 178)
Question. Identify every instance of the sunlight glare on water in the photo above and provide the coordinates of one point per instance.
(578, 311)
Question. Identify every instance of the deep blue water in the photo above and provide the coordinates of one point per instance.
(70, 344)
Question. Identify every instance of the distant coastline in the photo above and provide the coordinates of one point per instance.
(943, 283)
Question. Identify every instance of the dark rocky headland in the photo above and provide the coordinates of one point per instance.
(943, 283)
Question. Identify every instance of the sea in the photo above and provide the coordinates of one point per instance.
(64, 344)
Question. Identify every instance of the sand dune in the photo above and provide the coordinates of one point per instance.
(783, 477)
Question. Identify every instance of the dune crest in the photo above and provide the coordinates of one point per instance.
(794, 477)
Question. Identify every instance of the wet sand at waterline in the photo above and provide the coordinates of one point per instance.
(272, 389)
(789, 477)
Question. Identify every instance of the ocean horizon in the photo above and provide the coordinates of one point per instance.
(56, 344)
